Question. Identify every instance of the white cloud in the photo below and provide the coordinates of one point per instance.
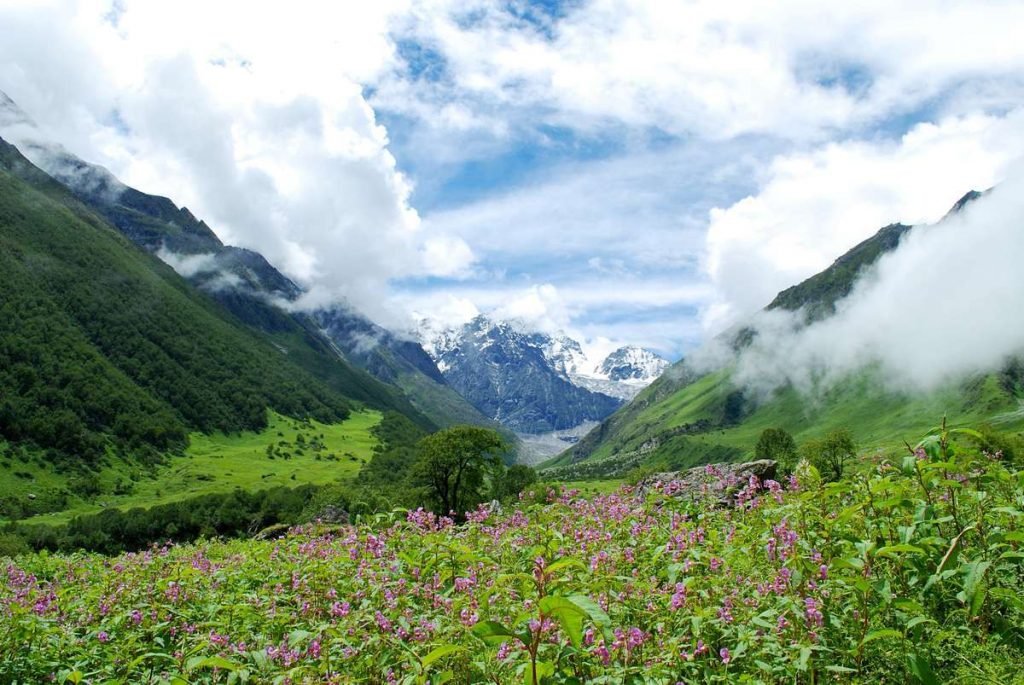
(814, 206)
(270, 141)
(538, 308)
(798, 69)
(447, 256)
(939, 308)
(188, 265)
(264, 120)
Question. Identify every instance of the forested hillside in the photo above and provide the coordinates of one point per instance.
(104, 346)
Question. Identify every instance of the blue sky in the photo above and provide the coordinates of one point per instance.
(629, 172)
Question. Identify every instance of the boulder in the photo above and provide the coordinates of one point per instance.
(718, 482)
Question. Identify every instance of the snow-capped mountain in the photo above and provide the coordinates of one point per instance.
(506, 373)
(533, 382)
(632, 364)
(623, 373)
(564, 354)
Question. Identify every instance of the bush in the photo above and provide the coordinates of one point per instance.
(830, 454)
(777, 445)
(12, 544)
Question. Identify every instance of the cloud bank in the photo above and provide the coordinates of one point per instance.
(404, 154)
(943, 306)
(814, 206)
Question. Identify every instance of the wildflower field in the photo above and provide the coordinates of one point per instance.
(910, 572)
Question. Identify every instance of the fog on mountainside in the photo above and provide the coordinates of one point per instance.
(942, 306)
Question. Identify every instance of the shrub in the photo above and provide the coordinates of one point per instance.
(778, 445)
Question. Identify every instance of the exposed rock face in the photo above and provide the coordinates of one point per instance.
(332, 514)
(506, 373)
(723, 483)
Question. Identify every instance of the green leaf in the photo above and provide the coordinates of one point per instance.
(805, 655)
(148, 655)
(932, 446)
(916, 621)
(568, 615)
(199, 662)
(492, 633)
(543, 670)
(974, 588)
(896, 550)
(568, 562)
(921, 669)
(439, 653)
(880, 634)
(595, 612)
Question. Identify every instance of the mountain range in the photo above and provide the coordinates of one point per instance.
(533, 382)
(390, 372)
(127, 324)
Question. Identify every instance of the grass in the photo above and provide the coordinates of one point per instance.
(221, 463)
(594, 487)
(881, 419)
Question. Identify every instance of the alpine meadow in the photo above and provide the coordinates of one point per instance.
(551, 342)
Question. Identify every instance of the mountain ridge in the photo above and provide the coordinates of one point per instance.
(516, 377)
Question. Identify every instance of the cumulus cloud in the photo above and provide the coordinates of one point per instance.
(667, 109)
(273, 144)
(538, 308)
(814, 206)
(797, 69)
(939, 308)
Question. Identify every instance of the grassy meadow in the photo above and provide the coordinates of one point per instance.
(304, 452)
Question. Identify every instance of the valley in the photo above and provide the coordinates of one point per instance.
(540, 342)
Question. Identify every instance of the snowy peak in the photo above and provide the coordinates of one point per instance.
(621, 375)
(564, 354)
(632, 363)
(517, 377)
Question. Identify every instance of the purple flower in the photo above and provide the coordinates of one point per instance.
(102, 636)
(724, 653)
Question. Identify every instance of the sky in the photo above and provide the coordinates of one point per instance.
(624, 171)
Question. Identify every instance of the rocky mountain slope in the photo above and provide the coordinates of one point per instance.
(533, 382)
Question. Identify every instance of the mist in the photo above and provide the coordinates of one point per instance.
(942, 306)
(189, 265)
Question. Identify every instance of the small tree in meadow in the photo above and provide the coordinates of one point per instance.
(830, 454)
(778, 445)
(452, 463)
(514, 480)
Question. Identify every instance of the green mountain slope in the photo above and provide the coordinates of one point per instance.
(685, 418)
(155, 223)
(390, 373)
(100, 342)
(103, 346)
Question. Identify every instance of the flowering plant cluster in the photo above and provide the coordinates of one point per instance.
(910, 573)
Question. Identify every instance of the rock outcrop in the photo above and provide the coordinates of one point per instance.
(724, 484)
